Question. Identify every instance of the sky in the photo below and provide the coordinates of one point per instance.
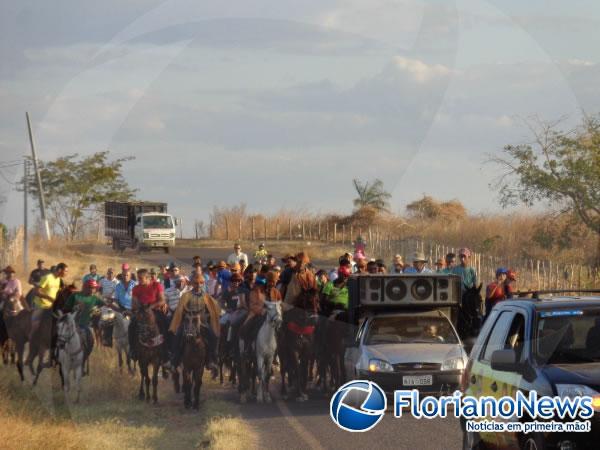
(280, 104)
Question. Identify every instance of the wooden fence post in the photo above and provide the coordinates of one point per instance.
(335, 233)
(277, 229)
(226, 228)
(290, 228)
(343, 233)
(303, 235)
(319, 231)
(265, 234)
(253, 230)
(240, 231)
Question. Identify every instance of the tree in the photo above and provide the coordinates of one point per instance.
(75, 188)
(428, 208)
(372, 195)
(559, 168)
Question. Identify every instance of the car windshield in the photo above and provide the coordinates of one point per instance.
(568, 336)
(158, 222)
(413, 329)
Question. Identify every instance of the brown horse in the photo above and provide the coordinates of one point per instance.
(193, 360)
(149, 351)
(297, 343)
(17, 320)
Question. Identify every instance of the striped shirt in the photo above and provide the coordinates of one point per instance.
(172, 296)
(108, 287)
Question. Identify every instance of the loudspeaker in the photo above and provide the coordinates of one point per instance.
(405, 290)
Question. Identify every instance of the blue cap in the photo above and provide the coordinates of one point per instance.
(501, 270)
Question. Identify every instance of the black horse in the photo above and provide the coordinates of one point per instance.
(470, 316)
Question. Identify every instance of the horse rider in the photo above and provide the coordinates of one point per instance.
(256, 312)
(260, 255)
(149, 293)
(465, 270)
(197, 300)
(108, 284)
(36, 274)
(85, 301)
(234, 302)
(272, 293)
(494, 292)
(303, 280)
(124, 291)
(335, 295)
(11, 285)
(92, 275)
(45, 296)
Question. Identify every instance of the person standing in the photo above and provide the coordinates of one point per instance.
(467, 273)
(494, 291)
(237, 256)
(260, 255)
(419, 262)
(450, 263)
(36, 274)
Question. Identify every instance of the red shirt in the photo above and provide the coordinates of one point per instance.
(495, 293)
(148, 294)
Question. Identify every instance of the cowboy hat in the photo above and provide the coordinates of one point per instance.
(419, 257)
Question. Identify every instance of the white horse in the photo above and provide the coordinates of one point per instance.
(121, 336)
(71, 355)
(266, 346)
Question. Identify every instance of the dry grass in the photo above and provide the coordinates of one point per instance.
(109, 414)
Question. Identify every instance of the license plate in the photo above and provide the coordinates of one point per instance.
(422, 380)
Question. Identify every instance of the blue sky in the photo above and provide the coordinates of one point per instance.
(280, 104)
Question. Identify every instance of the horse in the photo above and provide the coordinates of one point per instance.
(193, 359)
(71, 352)
(17, 320)
(297, 341)
(120, 333)
(225, 354)
(149, 351)
(334, 345)
(469, 315)
(266, 347)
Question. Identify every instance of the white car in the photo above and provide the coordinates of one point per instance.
(408, 350)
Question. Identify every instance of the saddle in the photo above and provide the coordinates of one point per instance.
(299, 330)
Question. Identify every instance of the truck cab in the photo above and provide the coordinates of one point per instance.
(154, 230)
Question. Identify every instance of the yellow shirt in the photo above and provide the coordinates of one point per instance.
(49, 285)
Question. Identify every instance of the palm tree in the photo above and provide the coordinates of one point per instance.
(372, 195)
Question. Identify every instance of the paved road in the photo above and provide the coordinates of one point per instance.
(291, 425)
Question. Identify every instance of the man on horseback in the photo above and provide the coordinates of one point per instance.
(197, 301)
(149, 294)
(45, 295)
(336, 296)
(254, 320)
(85, 301)
(124, 291)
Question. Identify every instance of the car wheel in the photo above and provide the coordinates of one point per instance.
(534, 441)
(472, 441)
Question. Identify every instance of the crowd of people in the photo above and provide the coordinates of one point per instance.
(228, 292)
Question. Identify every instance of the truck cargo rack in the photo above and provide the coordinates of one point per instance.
(535, 294)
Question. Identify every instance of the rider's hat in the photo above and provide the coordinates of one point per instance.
(8, 269)
(91, 283)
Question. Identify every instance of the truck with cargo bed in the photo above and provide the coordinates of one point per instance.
(139, 225)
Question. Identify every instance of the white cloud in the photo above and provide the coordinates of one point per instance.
(420, 71)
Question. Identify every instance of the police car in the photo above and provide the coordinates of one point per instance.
(406, 336)
(546, 344)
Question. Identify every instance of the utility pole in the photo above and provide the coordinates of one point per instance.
(39, 180)
(25, 214)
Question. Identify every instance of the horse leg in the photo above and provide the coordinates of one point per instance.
(261, 376)
(20, 350)
(176, 383)
(197, 384)
(155, 368)
(187, 388)
(38, 369)
(143, 375)
(120, 360)
(78, 375)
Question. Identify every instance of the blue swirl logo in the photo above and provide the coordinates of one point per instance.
(358, 406)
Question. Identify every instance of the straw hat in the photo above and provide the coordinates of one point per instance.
(419, 257)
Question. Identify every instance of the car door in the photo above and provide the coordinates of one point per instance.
(481, 381)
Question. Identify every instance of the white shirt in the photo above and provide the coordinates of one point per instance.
(108, 287)
(233, 258)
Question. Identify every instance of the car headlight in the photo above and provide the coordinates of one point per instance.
(146, 235)
(456, 363)
(379, 365)
(579, 390)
